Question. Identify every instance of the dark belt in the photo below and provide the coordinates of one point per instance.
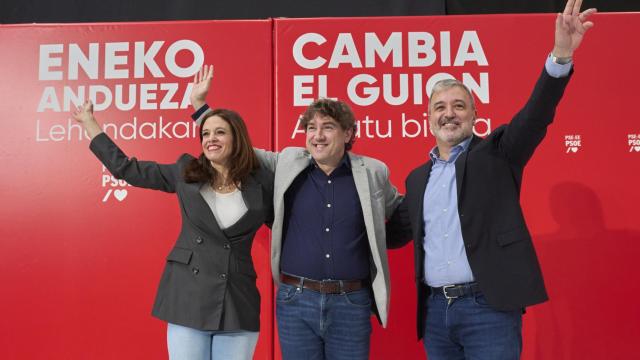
(324, 286)
(457, 290)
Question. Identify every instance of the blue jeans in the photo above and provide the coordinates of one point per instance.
(315, 326)
(468, 328)
(186, 343)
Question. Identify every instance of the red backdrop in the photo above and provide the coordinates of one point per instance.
(81, 255)
(81, 258)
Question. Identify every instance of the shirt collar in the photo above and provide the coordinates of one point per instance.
(434, 154)
(345, 161)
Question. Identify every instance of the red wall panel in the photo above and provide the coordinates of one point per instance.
(81, 256)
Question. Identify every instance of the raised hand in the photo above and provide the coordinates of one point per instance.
(84, 115)
(571, 26)
(201, 85)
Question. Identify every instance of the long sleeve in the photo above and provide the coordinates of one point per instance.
(146, 174)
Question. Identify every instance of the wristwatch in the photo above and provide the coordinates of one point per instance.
(560, 60)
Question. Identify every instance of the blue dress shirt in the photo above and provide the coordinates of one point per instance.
(324, 231)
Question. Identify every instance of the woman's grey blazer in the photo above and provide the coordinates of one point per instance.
(209, 282)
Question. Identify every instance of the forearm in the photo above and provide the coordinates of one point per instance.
(529, 126)
(197, 104)
(398, 227)
(92, 129)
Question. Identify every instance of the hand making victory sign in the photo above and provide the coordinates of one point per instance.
(571, 26)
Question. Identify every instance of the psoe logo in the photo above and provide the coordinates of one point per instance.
(633, 140)
(114, 187)
(572, 143)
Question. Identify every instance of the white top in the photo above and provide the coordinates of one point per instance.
(226, 208)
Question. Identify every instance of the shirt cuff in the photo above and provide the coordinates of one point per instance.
(557, 70)
(200, 113)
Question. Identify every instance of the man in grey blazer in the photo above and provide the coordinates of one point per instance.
(328, 249)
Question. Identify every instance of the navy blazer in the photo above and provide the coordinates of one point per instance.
(209, 282)
(489, 177)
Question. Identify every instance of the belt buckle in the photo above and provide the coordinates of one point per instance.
(444, 291)
(326, 286)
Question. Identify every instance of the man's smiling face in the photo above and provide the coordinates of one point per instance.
(326, 139)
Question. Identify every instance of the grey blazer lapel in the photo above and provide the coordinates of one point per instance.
(252, 196)
(361, 179)
(199, 211)
(359, 171)
(461, 165)
(420, 189)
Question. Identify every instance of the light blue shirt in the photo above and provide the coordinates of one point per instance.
(446, 260)
(445, 256)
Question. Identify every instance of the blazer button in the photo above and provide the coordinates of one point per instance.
(227, 246)
(199, 240)
(195, 271)
(223, 276)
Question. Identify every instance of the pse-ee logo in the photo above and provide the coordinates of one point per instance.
(572, 143)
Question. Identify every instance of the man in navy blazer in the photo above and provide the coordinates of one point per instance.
(476, 268)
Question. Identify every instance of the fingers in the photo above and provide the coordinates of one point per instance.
(563, 22)
(572, 7)
(208, 73)
(85, 108)
(585, 14)
(204, 74)
(587, 25)
(568, 8)
(576, 7)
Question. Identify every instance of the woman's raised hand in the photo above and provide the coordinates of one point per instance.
(201, 85)
(84, 115)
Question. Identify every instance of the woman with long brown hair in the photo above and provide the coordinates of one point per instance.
(208, 292)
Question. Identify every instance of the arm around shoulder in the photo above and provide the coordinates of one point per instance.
(398, 228)
(268, 159)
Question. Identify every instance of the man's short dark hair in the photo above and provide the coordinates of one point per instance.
(335, 109)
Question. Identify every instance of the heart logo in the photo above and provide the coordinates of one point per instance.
(636, 148)
(574, 148)
(120, 194)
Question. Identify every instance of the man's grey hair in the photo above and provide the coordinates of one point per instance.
(447, 84)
